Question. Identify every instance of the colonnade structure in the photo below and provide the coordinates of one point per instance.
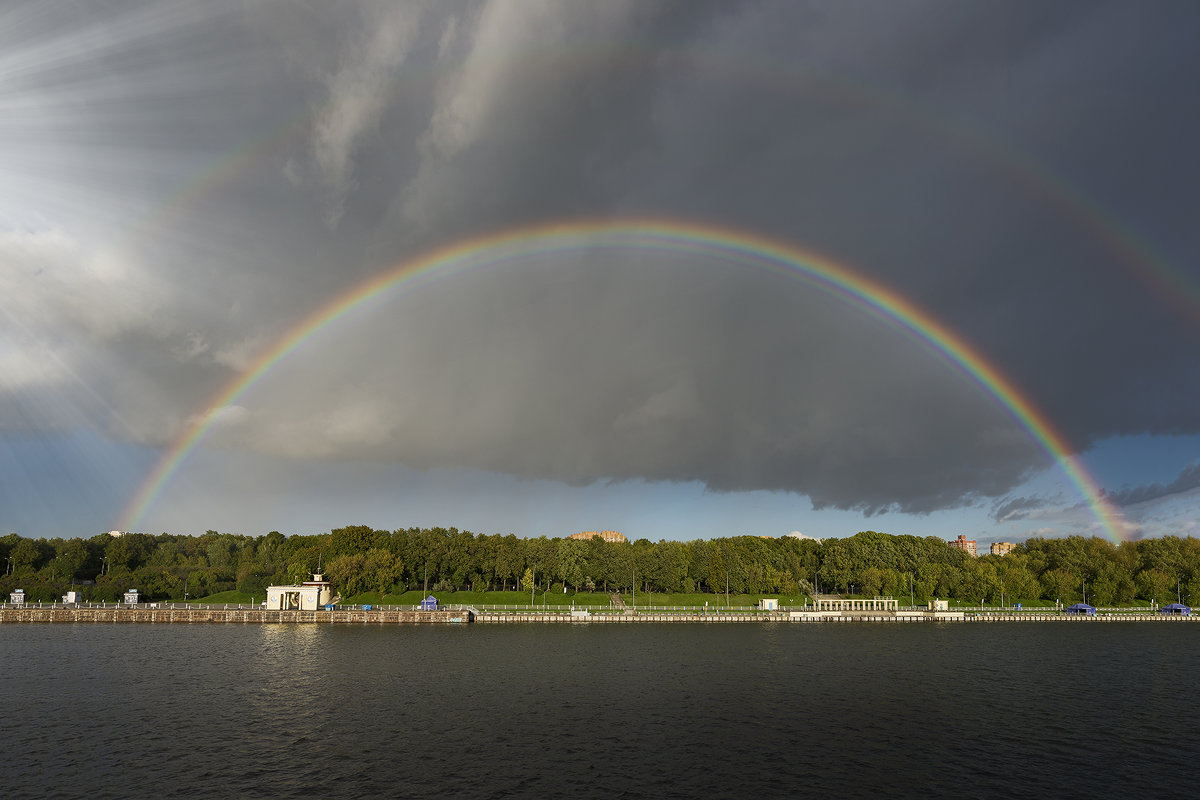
(833, 602)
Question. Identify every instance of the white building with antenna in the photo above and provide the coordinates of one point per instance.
(307, 596)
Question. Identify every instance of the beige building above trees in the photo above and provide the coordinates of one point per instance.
(1002, 548)
(608, 536)
(963, 543)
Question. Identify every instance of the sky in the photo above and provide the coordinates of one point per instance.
(678, 269)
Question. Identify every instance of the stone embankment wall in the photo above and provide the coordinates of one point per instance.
(57, 613)
(815, 616)
(30, 613)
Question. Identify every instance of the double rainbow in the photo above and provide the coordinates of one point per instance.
(663, 235)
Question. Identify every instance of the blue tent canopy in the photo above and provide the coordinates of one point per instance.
(1176, 608)
(1081, 608)
(429, 603)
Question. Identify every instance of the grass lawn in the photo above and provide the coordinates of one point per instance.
(232, 597)
(1009, 602)
(560, 600)
(556, 599)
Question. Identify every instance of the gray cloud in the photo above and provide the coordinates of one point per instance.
(180, 179)
(359, 91)
(1017, 508)
(1186, 481)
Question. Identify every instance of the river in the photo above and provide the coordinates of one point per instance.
(654, 711)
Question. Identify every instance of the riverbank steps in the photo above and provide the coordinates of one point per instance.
(10, 614)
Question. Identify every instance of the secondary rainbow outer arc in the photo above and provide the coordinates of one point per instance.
(672, 236)
(1169, 283)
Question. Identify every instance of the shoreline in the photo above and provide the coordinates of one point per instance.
(121, 614)
(469, 615)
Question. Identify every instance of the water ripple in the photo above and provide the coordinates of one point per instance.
(663, 711)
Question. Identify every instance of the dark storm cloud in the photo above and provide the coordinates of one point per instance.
(935, 148)
(1186, 481)
(1017, 508)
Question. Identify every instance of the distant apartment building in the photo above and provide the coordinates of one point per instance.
(963, 543)
(1002, 548)
(608, 536)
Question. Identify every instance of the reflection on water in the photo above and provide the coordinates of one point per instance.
(638, 711)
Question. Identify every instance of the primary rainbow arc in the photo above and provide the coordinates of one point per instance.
(670, 235)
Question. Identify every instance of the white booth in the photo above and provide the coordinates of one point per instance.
(307, 596)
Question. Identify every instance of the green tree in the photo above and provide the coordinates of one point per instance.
(351, 540)
(1156, 585)
(26, 555)
(70, 559)
(1061, 584)
(381, 570)
(570, 562)
(348, 573)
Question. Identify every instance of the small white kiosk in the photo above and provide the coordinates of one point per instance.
(131, 597)
(308, 596)
(17, 598)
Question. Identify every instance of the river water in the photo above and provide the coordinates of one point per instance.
(609, 711)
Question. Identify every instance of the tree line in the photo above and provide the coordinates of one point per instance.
(361, 559)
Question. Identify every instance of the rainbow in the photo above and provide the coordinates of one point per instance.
(663, 235)
(1153, 270)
